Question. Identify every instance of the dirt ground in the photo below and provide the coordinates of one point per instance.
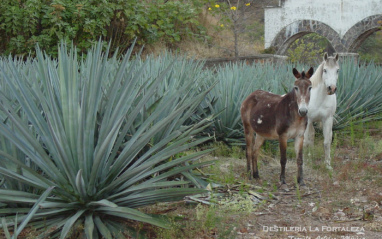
(326, 208)
(345, 204)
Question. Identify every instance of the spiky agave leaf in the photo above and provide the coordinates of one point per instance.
(70, 120)
(359, 93)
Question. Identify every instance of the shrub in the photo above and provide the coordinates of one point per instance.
(25, 23)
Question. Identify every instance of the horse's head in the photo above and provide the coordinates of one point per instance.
(330, 70)
(302, 87)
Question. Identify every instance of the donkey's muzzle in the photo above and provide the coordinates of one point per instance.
(303, 111)
(332, 89)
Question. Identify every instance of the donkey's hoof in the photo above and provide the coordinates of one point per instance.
(301, 182)
(303, 187)
(328, 167)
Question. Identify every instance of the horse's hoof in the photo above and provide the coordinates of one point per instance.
(328, 167)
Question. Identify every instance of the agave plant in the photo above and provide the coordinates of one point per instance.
(68, 153)
(359, 95)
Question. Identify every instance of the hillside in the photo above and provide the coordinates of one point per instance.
(250, 38)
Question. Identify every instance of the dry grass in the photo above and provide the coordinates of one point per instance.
(219, 43)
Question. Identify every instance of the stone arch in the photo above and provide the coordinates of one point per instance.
(299, 28)
(358, 33)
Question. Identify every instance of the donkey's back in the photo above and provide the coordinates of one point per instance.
(258, 112)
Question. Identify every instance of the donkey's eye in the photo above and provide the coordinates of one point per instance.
(310, 88)
(324, 70)
(338, 71)
(296, 88)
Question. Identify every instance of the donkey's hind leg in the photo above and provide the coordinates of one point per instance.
(283, 160)
(249, 137)
(298, 147)
(259, 140)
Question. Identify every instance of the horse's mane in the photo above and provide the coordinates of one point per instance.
(316, 78)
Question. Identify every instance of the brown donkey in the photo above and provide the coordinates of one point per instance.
(277, 117)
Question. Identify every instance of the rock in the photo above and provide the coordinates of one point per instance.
(284, 187)
(340, 215)
(322, 213)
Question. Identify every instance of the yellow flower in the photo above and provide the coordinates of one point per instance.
(217, 6)
(233, 8)
(221, 25)
(247, 4)
(209, 9)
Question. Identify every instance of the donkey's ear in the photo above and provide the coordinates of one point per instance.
(309, 73)
(325, 56)
(336, 56)
(296, 73)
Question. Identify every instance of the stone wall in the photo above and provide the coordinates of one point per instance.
(249, 60)
(345, 23)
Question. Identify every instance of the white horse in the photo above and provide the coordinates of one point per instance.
(323, 103)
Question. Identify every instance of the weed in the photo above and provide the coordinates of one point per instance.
(334, 145)
(352, 134)
(223, 150)
(212, 219)
(298, 194)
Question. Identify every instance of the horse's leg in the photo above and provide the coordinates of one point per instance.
(248, 131)
(259, 140)
(309, 134)
(283, 160)
(298, 146)
(327, 128)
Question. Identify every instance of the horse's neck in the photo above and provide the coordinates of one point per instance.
(316, 78)
(318, 84)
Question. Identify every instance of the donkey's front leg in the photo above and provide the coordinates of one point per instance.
(283, 160)
(298, 146)
(327, 128)
(309, 135)
(259, 140)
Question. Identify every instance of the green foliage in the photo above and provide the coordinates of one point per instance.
(27, 22)
(307, 49)
(371, 48)
(75, 149)
(255, 31)
(270, 50)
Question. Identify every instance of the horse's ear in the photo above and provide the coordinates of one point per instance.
(296, 73)
(325, 56)
(336, 56)
(309, 73)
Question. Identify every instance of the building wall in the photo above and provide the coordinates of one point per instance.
(340, 15)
